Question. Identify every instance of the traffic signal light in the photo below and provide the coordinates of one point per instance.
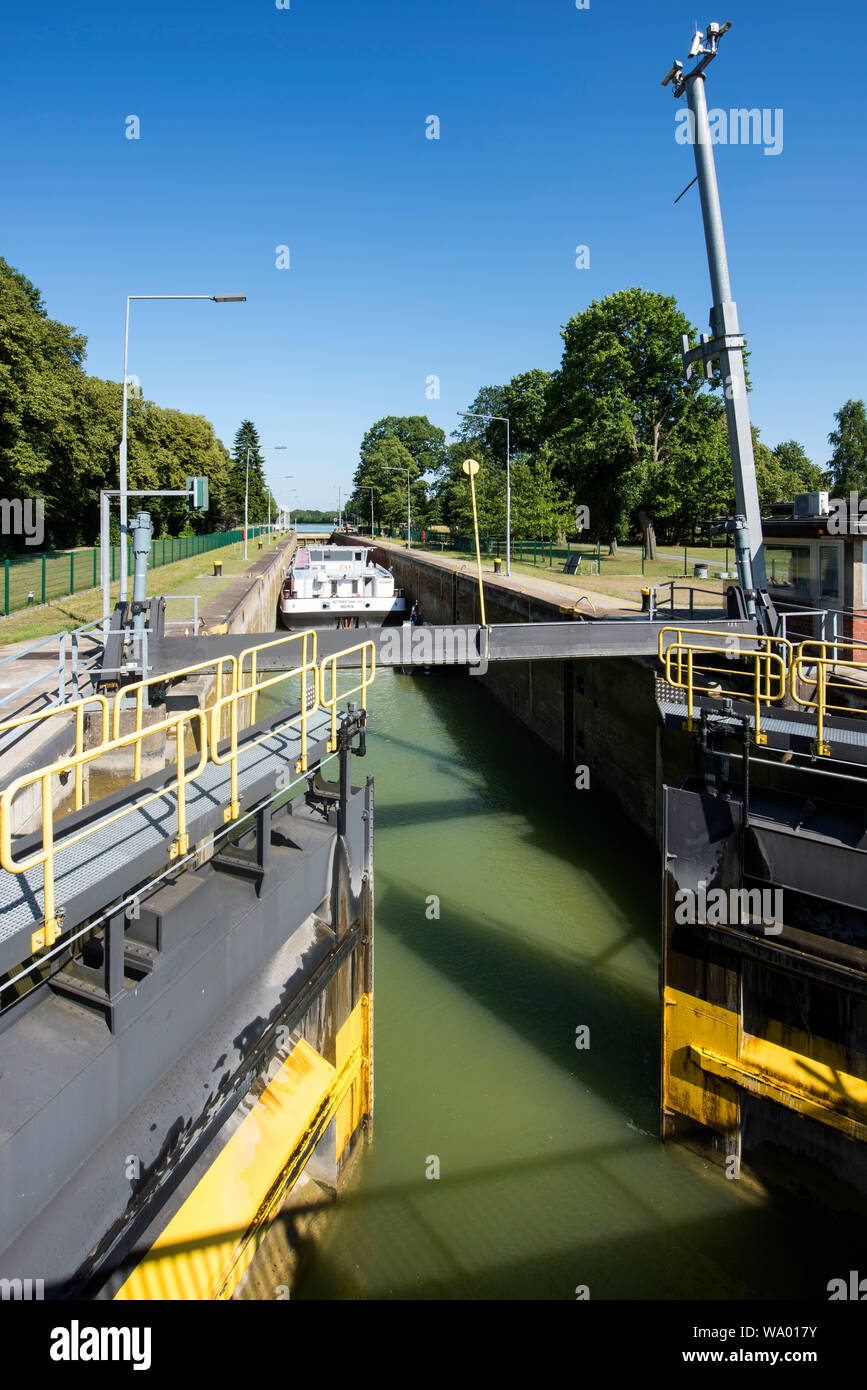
(197, 494)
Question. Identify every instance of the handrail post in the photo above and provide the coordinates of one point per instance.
(48, 858)
(79, 749)
(820, 704)
(182, 843)
(689, 677)
(137, 754)
(234, 807)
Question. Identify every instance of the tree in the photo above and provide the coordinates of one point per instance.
(60, 430)
(246, 446)
(847, 466)
(384, 467)
(620, 409)
(424, 442)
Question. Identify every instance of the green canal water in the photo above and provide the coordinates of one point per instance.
(551, 1176)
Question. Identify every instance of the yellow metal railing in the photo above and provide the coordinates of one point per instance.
(76, 707)
(138, 689)
(253, 653)
(329, 664)
(251, 692)
(205, 725)
(733, 644)
(777, 670)
(820, 657)
(44, 856)
(768, 663)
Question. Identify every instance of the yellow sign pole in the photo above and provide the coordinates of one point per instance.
(471, 468)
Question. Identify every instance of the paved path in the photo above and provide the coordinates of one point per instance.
(561, 594)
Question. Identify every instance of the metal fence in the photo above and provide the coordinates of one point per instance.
(594, 555)
(29, 580)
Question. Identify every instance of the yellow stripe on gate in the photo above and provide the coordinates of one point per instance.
(208, 1245)
(709, 1059)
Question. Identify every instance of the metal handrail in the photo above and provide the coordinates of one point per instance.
(252, 691)
(769, 676)
(44, 857)
(138, 689)
(74, 706)
(252, 651)
(60, 638)
(731, 641)
(331, 703)
(825, 667)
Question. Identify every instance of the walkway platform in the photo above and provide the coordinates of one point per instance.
(113, 859)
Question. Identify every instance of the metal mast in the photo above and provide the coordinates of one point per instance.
(725, 343)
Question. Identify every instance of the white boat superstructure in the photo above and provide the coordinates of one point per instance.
(338, 586)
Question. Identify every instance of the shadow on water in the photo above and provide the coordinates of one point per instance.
(552, 1172)
(504, 770)
(542, 996)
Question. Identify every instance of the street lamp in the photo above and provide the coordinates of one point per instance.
(216, 299)
(285, 476)
(262, 449)
(475, 415)
(287, 511)
(394, 468)
(340, 506)
(369, 489)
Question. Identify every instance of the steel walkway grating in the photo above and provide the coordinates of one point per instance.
(772, 724)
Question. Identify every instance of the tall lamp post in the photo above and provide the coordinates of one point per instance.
(370, 490)
(285, 478)
(475, 415)
(394, 468)
(266, 448)
(216, 299)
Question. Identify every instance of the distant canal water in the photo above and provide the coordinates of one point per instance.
(551, 1176)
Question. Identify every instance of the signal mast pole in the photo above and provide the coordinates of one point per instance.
(725, 342)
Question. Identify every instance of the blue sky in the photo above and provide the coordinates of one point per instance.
(305, 127)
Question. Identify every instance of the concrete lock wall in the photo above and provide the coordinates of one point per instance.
(249, 604)
(599, 713)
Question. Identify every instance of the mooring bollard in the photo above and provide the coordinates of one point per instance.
(218, 568)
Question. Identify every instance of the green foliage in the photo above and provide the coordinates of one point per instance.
(60, 431)
(424, 442)
(392, 448)
(783, 471)
(314, 518)
(622, 418)
(247, 477)
(847, 466)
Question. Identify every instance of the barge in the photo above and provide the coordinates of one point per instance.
(339, 587)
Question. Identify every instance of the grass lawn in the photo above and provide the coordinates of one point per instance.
(620, 577)
(193, 576)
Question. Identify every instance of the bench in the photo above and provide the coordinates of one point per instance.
(572, 564)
